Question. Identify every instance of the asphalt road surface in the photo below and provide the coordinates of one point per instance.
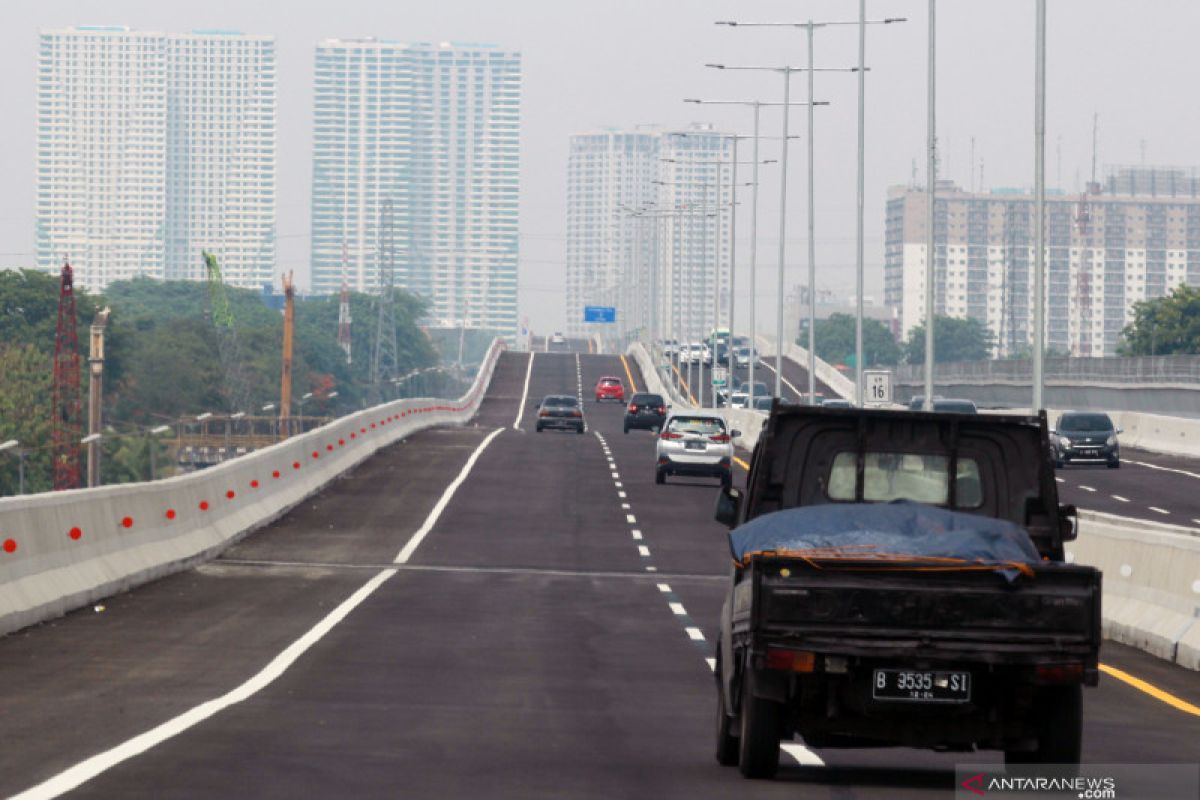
(541, 631)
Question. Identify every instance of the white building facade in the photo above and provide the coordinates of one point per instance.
(416, 153)
(151, 147)
(648, 224)
(1134, 238)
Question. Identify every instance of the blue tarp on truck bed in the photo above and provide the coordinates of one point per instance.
(875, 530)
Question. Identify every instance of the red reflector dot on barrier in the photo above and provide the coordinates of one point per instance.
(231, 494)
(354, 436)
(364, 430)
(341, 442)
(329, 447)
(316, 454)
(295, 465)
(10, 546)
(372, 424)
(275, 474)
(75, 533)
(170, 513)
(127, 522)
(204, 505)
(254, 484)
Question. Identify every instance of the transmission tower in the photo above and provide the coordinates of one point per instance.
(236, 390)
(68, 411)
(383, 358)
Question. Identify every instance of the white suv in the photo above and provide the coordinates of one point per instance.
(695, 444)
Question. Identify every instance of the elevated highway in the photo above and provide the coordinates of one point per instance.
(477, 611)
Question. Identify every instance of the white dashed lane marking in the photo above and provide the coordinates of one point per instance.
(695, 634)
(643, 551)
(630, 518)
(803, 756)
(1118, 498)
(1158, 510)
(678, 610)
(665, 588)
(1086, 488)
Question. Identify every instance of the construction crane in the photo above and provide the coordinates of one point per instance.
(67, 400)
(289, 324)
(236, 389)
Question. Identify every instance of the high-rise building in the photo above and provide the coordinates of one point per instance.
(435, 129)
(611, 227)
(1134, 237)
(221, 156)
(152, 147)
(648, 218)
(102, 132)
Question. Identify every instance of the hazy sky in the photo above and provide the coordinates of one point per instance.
(620, 63)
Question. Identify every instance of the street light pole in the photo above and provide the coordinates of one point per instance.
(787, 83)
(858, 261)
(1039, 208)
(930, 217)
(812, 237)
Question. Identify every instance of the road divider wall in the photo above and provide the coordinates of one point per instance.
(1151, 582)
(62, 550)
(826, 372)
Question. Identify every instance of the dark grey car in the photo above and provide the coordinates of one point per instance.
(561, 411)
(1085, 437)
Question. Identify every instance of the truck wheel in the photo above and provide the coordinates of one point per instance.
(758, 755)
(1059, 728)
(727, 743)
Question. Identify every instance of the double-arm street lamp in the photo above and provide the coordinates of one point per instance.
(20, 453)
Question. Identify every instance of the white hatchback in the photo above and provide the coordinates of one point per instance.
(695, 444)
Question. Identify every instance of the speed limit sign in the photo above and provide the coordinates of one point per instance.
(877, 384)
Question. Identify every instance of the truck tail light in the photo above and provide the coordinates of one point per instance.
(670, 435)
(1059, 673)
(791, 660)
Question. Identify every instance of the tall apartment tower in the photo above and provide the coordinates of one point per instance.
(612, 228)
(152, 147)
(221, 156)
(102, 136)
(648, 217)
(1134, 237)
(435, 129)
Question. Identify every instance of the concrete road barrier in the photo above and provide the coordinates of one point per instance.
(1151, 582)
(63, 550)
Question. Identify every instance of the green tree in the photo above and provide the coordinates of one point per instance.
(1167, 325)
(25, 399)
(836, 342)
(954, 339)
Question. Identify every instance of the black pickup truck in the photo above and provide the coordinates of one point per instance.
(899, 580)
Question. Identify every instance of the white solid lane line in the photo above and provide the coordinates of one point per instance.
(84, 771)
(1120, 499)
(678, 610)
(408, 549)
(1159, 510)
(524, 394)
(1164, 469)
(695, 634)
(1086, 488)
(804, 757)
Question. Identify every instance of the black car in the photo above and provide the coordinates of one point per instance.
(1085, 437)
(647, 411)
(560, 411)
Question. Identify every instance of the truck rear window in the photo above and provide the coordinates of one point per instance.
(919, 477)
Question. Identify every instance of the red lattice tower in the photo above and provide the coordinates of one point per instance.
(68, 407)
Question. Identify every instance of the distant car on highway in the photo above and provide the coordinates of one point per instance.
(558, 338)
(610, 388)
(740, 398)
(645, 410)
(944, 405)
(560, 411)
(917, 403)
(1085, 437)
(697, 445)
(836, 402)
(744, 355)
(670, 347)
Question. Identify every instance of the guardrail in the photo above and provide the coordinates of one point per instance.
(1175, 370)
(1151, 582)
(63, 550)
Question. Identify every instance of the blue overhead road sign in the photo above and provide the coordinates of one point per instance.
(599, 314)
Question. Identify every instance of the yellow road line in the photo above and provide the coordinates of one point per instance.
(1150, 689)
(628, 374)
(741, 463)
(686, 388)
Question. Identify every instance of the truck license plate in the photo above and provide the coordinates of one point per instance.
(921, 686)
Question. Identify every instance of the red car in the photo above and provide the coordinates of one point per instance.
(610, 388)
